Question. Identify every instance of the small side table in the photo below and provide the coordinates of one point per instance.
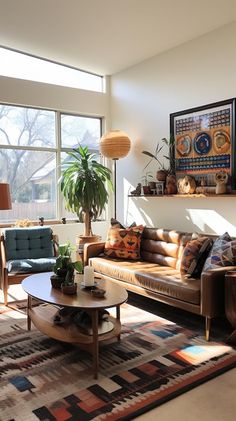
(230, 302)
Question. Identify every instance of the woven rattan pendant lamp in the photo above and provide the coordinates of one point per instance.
(115, 145)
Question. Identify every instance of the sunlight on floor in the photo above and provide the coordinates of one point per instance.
(197, 354)
(15, 293)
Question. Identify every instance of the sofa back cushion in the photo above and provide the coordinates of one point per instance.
(28, 243)
(162, 246)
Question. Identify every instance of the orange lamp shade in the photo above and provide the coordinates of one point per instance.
(5, 198)
(115, 144)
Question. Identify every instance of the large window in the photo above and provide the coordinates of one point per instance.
(31, 151)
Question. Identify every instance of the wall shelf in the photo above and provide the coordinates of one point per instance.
(184, 196)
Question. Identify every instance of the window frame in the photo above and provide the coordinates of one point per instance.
(58, 150)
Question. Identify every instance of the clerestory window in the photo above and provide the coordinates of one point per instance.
(24, 66)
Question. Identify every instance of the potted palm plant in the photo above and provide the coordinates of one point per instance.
(84, 183)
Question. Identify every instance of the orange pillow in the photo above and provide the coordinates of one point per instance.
(124, 243)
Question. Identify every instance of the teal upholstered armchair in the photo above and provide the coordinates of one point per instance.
(25, 251)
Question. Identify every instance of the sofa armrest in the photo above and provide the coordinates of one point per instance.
(213, 291)
(93, 250)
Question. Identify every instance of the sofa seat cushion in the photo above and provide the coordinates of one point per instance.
(153, 277)
(31, 265)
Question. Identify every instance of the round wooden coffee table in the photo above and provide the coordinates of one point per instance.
(39, 286)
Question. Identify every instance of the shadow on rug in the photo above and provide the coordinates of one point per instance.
(156, 360)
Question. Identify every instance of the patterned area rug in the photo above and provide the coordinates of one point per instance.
(156, 360)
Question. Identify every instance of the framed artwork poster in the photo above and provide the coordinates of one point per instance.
(204, 139)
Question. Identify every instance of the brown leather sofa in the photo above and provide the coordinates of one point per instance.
(157, 274)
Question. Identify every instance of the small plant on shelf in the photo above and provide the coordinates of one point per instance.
(170, 157)
(146, 180)
(147, 177)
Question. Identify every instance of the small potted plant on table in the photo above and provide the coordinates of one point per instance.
(64, 270)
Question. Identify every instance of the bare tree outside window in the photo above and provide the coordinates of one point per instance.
(24, 132)
(29, 153)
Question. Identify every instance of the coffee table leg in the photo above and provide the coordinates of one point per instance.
(29, 306)
(118, 318)
(95, 345)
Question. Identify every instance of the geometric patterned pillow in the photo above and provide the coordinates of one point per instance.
(223, 253)
(194, 256)
(124, 243)
(117, 224)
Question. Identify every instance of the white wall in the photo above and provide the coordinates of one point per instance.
(142, 97)
(35, 94)
(44, 95)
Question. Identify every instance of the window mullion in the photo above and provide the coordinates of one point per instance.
(58, 164)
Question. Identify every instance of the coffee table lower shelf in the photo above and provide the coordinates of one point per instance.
(42, 318)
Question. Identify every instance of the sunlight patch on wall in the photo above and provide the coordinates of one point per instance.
(133, 211)
(206, 219)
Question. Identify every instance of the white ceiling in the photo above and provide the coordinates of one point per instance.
(106, 36)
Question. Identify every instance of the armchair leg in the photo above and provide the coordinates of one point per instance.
(5, 288)
(207, 328)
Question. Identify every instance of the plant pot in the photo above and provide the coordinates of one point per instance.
(70, 289)
(161, 175)
(81, 240)
(146, 190)
(56, 281)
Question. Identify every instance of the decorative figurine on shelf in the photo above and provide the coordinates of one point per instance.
(203, 184)
(160, 188)
(202, 189)
(186, 185)
(221, 179)
(63, 220)
(137, 191)
(171, 186)
(41, 221)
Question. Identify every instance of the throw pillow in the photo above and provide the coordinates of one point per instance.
(124, 243)
(223, 253)
(194, 256)
(117, 224)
